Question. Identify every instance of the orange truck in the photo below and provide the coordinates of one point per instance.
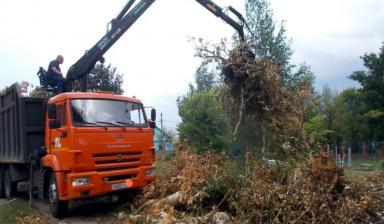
(74, 146)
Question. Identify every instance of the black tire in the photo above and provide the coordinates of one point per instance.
(2, 193)
(9, 187)
(58, 208)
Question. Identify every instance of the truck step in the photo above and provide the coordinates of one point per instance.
(23, 186)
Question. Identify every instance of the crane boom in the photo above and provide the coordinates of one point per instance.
(218, 11)
(119, 25)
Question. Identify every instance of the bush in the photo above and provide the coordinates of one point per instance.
(220, 186)
(168, 157)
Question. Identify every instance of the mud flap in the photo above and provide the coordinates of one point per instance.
(42, 191)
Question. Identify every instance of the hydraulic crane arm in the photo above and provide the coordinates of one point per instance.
(119, 25)
(215, 9)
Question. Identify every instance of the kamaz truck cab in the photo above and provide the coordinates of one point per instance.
(96, 141)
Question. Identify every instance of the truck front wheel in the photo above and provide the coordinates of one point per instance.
(58, 208)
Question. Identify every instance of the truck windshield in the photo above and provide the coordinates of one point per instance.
(99, 112)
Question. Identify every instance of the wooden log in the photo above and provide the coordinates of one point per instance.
(325, 171)
(177, 200)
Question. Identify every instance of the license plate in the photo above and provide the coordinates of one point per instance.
(119, 186)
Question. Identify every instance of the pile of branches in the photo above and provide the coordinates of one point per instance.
(179, 191)
(311, 193)
(299, 191)
(252, 86)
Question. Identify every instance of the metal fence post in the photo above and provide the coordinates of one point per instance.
(336, 155)
(349, 158)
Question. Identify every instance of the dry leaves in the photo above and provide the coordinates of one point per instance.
(34, 218)
(280, 194)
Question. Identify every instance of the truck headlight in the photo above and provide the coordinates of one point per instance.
(81, 181)
(150, 173)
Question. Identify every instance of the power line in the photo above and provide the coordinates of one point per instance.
(172, 121)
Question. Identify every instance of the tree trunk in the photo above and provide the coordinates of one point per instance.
(325, 172)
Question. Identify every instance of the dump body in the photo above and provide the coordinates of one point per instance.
(22, 125)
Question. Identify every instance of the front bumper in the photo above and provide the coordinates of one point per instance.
(98, 186)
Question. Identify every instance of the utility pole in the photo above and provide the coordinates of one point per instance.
(161, 131)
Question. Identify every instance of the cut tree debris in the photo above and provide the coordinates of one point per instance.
(325, 171)
(310, 194)
(291, 192)
(252, 86)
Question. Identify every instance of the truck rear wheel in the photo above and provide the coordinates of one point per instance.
(9, 187)
(2, 171)
(58, 208)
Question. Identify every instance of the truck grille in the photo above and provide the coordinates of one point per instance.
(116, 161)
(116, 154)
(117, 158)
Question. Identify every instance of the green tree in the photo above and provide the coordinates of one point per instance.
(353, 118)
(271, 41)
(341, 118)
(203, 122)
(328, 111)
(339, 127)
(372, 90)
(105, 78)
(316, 127)
(40, 93)
(327, 123)
(205, 80)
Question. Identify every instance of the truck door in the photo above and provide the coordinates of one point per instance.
(59, 138)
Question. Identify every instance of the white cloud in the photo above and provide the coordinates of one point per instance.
(332, 35)
(154, 55)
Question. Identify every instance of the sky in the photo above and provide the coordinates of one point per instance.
(155, 56)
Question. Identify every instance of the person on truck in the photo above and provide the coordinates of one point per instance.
(54, 72)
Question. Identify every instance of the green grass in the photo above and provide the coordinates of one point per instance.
(159, 166)
(353, 172)
(19, 207)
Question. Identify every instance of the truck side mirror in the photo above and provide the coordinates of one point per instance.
(152, 124)
(53, 124)
(52, 111)
(153, 115)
